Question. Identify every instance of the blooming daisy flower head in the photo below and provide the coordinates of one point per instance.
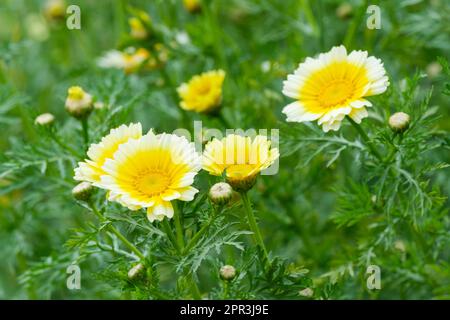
(150, 172)
(130, 60)
(332, 86)
(91, 169)
(240, 158)
(203, 93)
(78, 102)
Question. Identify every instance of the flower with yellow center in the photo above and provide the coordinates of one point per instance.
(78, 102)
(332, 86)
(91, 169)
(192, 5)
(131, 60)
(240, 158)
(203, 93)
(150, 172)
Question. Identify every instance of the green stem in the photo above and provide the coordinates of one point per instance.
(195, 290)
(254, 226)
(170, 234)
(179, 227)
(63, 145)
(388, 159)
(119, 235)
(310, 16)
(366, 139)
(85, 126)
(199, 234)
(357, 20)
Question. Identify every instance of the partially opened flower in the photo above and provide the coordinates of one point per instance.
(240, 158)
(203, 93)
(150, 172)
(91, 169)
(79, 103)
(332, 86)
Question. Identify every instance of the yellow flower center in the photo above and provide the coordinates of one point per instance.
(76, 93)
(337, 93)
(239, 170)
(202, 87)
(151, 183)
(333, 87)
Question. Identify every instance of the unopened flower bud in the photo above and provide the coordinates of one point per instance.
(308, 292)
(192, 5)
(400, 245)
(433, 69)
(221, 193)
(55, 9)
(227, 272)
(399, 122)
(99, 105)
(45, 119)
(78, 102)
(82, 191)
(136, 271)
(344, 11)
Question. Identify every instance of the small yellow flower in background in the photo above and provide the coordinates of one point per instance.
(240, 158)
(78, 102)
(203, 93)
(192, 5)
(55, 9)
(333, 86)
(138, 30)
(150, 172)
(91, 169)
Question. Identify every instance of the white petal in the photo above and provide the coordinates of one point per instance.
(295, 112)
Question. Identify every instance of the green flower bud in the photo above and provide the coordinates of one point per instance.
(45, 119)
(220, 193)
(308, 292)
(136, 271)
(227, 272)
(399, 122)
(82, 191)
(79, 103)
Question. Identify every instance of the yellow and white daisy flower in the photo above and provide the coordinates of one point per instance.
(332, 86)
(240, 158)
(150, 172)
(130, 60)
(91, 169)
(78, 102)
(203, 93)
